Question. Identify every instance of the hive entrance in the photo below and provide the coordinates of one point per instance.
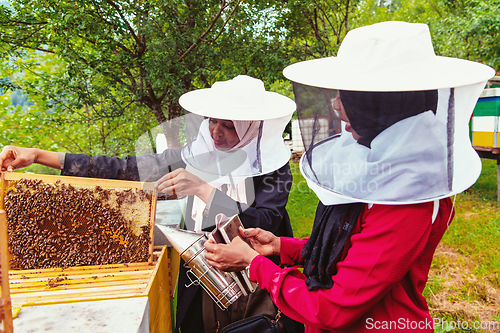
(61, 224)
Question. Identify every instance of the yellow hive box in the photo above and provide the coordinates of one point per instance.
(5, 301)
(97, 283)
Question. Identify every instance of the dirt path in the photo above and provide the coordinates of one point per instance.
(458, 293)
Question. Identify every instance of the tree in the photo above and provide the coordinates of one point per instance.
(115, 54)
(315, 28)
(470, 29)
(34, 121)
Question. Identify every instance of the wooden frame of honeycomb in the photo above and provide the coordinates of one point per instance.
(5, 301)
(50, 286)
(59, 221)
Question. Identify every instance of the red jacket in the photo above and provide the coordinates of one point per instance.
(379, 279)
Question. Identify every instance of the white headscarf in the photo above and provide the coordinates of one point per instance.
(260, 118)
(247, 130)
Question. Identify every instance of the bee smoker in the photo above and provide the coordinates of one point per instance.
(190, 245)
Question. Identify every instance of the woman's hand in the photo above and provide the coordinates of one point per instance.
(238, 255)
(182, 182)
(229, 257)
(262, 241)
(12, 158)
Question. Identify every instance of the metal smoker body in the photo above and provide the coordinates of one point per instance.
(221, 286)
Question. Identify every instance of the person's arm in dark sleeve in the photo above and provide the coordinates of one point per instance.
(268, 209)
(145, 167)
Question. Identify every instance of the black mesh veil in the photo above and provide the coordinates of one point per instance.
(402, 155)
(317, 118)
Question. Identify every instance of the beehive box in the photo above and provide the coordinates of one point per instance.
(77, 239)
(485, 121)
(52, 286)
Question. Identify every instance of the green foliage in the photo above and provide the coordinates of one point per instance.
(420, 11)
(283, 87)
(474, 29)
(254, 44)
(115, 55)
(41, 126)
(369, 12)
(39, 170)
(315, 29)
(52, 121)
(99, 71)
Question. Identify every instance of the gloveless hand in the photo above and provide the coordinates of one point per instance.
(263, 241)
(229, 257)
(12, 158)
(182, 182)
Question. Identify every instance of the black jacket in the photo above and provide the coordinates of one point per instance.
(267, 211)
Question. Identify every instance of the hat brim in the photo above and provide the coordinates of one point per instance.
(206, 103)
(426, 74)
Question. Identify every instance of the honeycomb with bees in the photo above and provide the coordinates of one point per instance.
(58, 221)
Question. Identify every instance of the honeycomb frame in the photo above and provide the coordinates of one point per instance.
(60, 221)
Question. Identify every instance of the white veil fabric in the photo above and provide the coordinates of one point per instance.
(259, 118)
(240, 99)
(418, 157)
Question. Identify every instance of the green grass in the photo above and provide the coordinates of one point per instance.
(475, 230)
(301, 204)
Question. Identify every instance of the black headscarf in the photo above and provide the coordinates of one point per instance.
(372, 112)
(332, 226)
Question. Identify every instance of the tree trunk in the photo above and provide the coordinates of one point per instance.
(171, 127)
(174, 125)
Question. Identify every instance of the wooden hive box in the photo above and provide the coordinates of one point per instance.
(89, 240)
(5, 302)
(98, 283)
(485, 128)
